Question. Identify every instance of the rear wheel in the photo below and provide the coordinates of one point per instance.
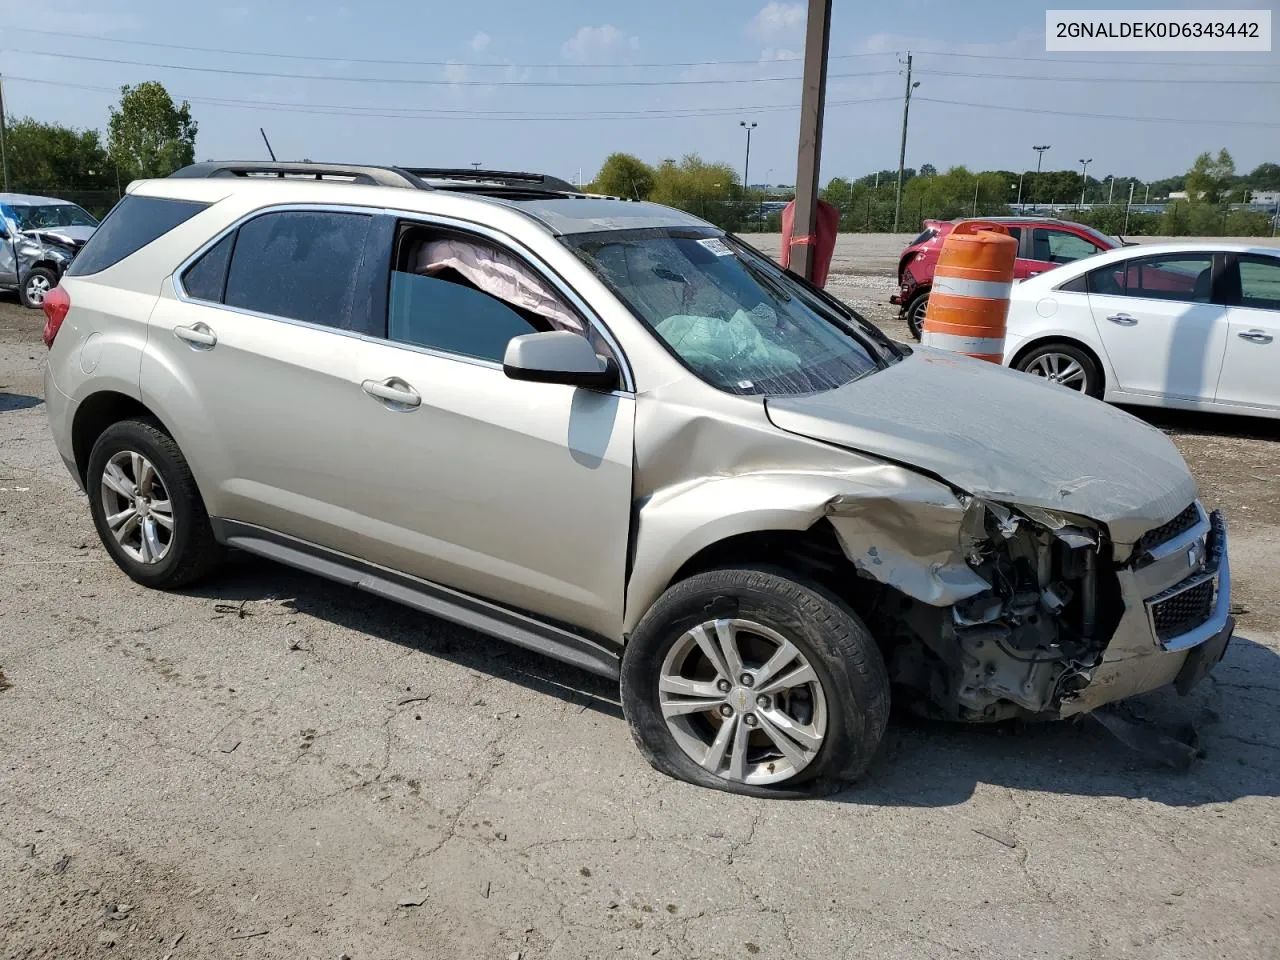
(915, 315)
(146, 507)
(749, 681)
(39, 281)
(1064, 364)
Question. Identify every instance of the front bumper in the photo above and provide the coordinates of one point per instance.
(1162, 638)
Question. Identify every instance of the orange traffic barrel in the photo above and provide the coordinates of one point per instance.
(969, 300)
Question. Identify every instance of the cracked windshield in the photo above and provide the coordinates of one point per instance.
(734, 320)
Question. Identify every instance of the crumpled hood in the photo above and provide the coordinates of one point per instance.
(70, 236)
(1004, 436)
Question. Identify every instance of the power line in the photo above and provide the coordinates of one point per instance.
(1099, 116)
(1023, 76)
(427, 113)
(419, 81)
(1108, 61)
(423, 63)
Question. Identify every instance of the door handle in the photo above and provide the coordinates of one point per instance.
(393, 392)
(199, 335)
(1123, 319)
(1256, 336)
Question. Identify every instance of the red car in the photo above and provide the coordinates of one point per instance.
(1043, 243)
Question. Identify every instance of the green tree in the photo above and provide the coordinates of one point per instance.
(1210, 177)
(148, 135)
(928, 170)
(1265, 176)
(624, 175)
(55, 159)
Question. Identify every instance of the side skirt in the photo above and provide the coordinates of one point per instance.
(522, 629)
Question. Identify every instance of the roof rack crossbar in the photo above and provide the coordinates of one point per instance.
(355, 173)
(506, 177)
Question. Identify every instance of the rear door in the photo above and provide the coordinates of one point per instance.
(253, 354)
(1159, 324)
(1251, 364)
(514, 491)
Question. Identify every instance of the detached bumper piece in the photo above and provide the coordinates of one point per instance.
(1204, 658)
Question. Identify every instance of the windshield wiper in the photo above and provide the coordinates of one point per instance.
(762, 277)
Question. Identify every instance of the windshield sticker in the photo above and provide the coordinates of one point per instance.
(716, 246)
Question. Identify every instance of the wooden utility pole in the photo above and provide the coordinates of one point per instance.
(902, 150)
(812, 104)
(4, 139)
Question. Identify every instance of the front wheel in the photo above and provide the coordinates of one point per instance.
(751, 681)
(1063, 364)
(39, 281)
(915, 315)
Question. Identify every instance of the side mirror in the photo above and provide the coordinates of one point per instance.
(558, 356)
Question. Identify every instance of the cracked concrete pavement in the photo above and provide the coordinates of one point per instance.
(270, 765)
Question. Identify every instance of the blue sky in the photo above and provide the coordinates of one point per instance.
(449, 115)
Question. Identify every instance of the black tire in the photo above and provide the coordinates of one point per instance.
(1093, 385)
(192, 551)
(827, 633)
(36, 300)
(914, 314)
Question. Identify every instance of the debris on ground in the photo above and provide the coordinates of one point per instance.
(484, 889)
(1173, 747)
(999, 836)
(249, 934)
(4, 682)
(236, 608)
(61, 865)
(415, 900)
(228, 746)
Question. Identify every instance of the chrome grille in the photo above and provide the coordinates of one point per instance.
(1183, 611)
(1183, 522)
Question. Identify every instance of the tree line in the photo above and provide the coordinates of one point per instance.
(148, 135)
(714, 192)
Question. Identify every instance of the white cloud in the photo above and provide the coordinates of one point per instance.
(455, 72)
(782, 53)
(775, 18)
(480, 41)
(591, 44)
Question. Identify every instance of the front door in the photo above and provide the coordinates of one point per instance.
(514, 491)
(1162, 331)
(1252, 360)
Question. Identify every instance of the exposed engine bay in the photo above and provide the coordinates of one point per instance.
(1025, 644)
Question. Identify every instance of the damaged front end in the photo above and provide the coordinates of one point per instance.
(1060, 625)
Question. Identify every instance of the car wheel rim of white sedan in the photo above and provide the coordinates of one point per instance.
(1060, 369)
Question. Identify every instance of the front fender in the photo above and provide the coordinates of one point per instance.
(894, 525)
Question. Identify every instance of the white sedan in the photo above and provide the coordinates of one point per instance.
(1189, 325)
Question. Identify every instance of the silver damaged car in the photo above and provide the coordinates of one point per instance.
(609, 432)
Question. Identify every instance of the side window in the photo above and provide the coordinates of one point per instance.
(1078, 284)
(206, 279)
(1183, 277)
(1059, 246)
(301, 265)
(132, 224)
(467, 296)
(1260, 282)
(1015, 232)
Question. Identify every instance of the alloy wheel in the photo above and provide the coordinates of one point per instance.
(37, 288)
(137, 508)
(1060, 369)
(742, 701)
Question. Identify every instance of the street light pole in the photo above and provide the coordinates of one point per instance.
(746, 164)
(1024, 173)
(1111, 194)
(1084, 177)
(1125, 229)
(975, 196)
(1040, 156)
(902, 150)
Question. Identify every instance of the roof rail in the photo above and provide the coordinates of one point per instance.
(353, 173)
(508, 178)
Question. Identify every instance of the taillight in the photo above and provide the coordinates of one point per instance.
(56, 304)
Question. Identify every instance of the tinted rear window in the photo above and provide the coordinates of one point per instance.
(131, 225)
(302, 266)
(927, 234)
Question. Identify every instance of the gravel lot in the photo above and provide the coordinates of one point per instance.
(274, 766)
